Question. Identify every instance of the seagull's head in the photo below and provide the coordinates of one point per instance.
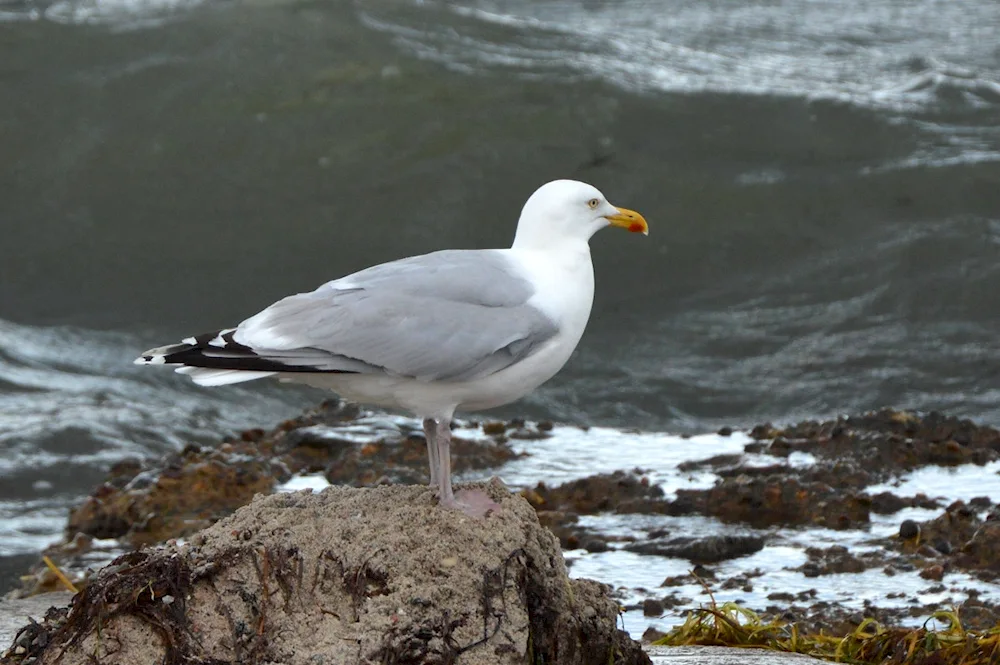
(570, 210)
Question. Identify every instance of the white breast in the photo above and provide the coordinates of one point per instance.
(565, 292)
(565, 285)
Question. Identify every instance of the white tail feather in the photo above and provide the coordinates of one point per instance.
(220, 377)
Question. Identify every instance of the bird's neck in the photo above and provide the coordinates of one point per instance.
(542, 241)
(566, 262)
(563, 280)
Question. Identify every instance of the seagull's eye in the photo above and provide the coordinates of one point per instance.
(593, 203)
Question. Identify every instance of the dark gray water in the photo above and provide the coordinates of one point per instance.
(822, 182)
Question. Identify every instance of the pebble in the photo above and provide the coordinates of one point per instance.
(935, 573)
(652, 607)
(909, 530)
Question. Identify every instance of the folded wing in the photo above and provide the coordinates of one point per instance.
(451, 316)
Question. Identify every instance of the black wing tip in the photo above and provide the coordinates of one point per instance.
(206, 351)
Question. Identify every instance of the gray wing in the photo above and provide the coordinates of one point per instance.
(452, 315)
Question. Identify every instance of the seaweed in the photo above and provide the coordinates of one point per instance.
(869, 644)
(140, 584)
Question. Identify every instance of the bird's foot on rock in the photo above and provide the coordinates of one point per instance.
(474, 503)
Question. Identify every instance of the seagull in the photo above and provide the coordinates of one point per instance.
(430, 334)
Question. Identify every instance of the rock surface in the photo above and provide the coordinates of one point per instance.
(15, 612)
(819, 475)
(725, 656)
(148, 502)
(374, 575)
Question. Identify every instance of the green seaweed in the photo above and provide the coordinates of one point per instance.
(869, 644)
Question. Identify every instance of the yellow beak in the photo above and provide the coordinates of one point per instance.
(631, 220)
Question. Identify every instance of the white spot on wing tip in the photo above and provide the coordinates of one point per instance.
(189, 340)
(218, 341)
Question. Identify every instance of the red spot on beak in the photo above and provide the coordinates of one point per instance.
(636, 227)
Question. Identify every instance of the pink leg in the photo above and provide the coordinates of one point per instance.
(474, 503)
(430, 433)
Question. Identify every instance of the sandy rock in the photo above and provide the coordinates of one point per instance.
(375, 575)
(147, 502)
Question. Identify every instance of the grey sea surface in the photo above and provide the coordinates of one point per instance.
(821, 179)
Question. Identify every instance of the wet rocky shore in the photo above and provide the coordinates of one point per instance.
(833, 476)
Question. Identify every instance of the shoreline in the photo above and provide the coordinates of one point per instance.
(800, 479)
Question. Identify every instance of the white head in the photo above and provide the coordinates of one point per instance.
(564, 210)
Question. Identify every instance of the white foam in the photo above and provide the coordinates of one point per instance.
(316, 482)
(572, 453)
(948, 483)
(119, 13)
